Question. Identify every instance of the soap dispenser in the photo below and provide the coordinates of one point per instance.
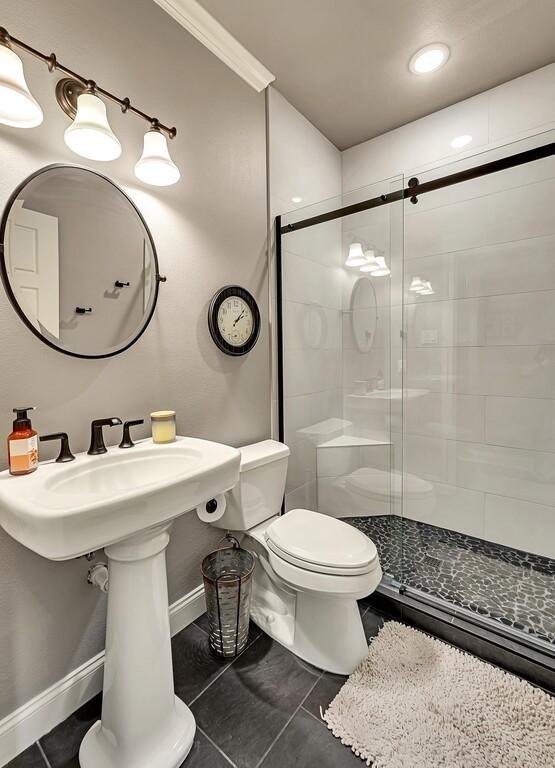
(23, 453)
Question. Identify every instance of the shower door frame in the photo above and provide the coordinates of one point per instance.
(482, 627)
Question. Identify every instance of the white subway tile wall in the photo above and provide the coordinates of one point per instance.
(481, 348)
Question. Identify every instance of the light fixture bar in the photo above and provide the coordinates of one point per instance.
(53, 64)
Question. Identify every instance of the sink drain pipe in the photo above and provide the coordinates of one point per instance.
(98, 576)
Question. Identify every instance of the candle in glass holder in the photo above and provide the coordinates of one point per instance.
(163, 426)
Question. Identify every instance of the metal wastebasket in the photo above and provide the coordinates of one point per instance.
(227, 575)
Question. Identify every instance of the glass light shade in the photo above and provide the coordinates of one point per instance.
(356, 256)
(382, 269)
(417, 285)
(427, 290)
(371, 264)
(18, 107)
(90, 134)
(155, 165)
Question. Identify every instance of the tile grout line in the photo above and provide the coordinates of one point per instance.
(43, 754)
(222, 671)
(282, 731)
(222, 753)
(318, 720)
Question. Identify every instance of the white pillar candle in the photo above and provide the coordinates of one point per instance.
(163, 426)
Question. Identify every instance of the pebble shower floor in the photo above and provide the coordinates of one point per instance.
(513, 587)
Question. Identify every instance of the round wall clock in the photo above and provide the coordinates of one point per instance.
(234, 320)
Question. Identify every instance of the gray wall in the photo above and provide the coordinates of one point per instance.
(209, 229)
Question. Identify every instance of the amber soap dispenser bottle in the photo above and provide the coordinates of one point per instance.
(23, 452)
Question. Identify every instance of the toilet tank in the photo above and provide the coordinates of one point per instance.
(259, 493)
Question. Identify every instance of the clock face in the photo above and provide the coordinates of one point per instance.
(235, 321)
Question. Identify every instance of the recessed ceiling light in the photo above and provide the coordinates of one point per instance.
(461, 141)
(296, 199)
(429, 58)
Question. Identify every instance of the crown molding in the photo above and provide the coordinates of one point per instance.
(202, 25)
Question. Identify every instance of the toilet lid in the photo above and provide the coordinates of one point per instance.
(368, 481)
(320, 542)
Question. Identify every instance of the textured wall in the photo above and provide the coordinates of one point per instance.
(304, 164)
(210, 230)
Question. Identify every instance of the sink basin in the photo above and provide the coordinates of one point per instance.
(62, 511)
(125, 501)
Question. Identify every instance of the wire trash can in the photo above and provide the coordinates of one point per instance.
(227, 575)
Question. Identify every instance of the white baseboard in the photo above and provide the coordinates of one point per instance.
(38, 716)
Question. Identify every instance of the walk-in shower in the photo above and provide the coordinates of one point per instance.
(416, 341)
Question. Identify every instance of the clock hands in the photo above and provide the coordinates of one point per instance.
(238, 318)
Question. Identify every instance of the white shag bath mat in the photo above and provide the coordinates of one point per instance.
(416, 702)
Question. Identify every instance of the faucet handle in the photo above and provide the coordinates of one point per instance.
(126, 441)
(65, 453)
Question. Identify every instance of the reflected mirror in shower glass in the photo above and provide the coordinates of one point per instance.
(78, 262)
(364, 314)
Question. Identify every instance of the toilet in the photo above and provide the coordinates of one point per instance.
(310, 568)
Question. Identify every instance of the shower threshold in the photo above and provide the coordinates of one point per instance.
(500, 586)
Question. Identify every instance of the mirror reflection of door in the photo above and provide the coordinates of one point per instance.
(79, 261)
(32, 261)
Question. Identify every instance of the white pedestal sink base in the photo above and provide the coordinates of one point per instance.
(167, 750)
(143, 725)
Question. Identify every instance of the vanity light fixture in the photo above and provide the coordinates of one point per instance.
(417, 285)
(356, 257)
(429, 59)
(90, 134)
(461, 141)
(155, 165)
(18, 107)
(371, 264)
(382, 270)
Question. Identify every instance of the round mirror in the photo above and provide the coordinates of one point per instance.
(364, 314)
(78, 262)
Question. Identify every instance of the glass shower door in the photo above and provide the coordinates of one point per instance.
(479, 407)
(342, 272)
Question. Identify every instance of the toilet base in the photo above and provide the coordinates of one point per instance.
(324, 630)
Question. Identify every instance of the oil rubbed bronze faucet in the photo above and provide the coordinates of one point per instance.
(97, 437)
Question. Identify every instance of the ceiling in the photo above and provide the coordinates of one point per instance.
(344, 63)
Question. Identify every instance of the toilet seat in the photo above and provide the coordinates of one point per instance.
(322, 544)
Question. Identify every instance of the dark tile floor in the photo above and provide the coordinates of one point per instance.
(262, 709)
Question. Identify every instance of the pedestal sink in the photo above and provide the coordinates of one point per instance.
(125, 501)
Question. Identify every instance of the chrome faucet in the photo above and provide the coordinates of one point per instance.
(97, 436)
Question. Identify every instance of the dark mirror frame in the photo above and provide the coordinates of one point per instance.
(6, 280)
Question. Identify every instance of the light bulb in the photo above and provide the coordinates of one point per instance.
(356, 256)
(90, 134)
(429, 58)
(155, 165)
(18, 107)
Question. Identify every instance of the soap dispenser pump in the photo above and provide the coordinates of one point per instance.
(23, 453)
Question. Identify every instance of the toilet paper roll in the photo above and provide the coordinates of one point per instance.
(212, 510)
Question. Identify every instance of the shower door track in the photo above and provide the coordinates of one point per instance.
(528, 648)
(415, 188)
